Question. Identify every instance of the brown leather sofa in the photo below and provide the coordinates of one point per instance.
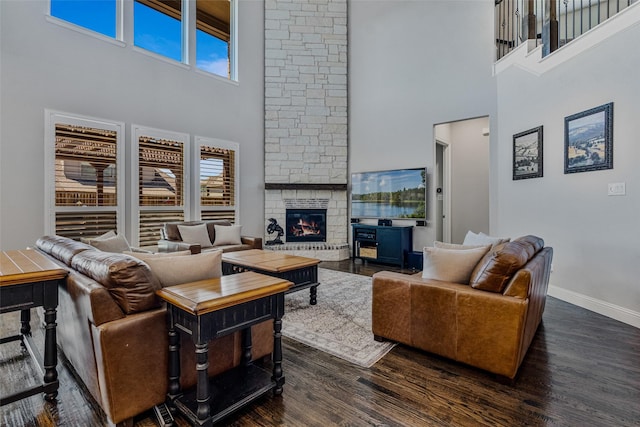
(488, 323)
(171, 240)
(112, 329)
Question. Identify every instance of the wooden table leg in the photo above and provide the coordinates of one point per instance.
(202, 388)
(50, 360)
(313, 295)
(278, 375)
(174, 361)
(25, 322)
(246, 347)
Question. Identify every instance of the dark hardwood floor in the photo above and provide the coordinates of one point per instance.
(582, 369)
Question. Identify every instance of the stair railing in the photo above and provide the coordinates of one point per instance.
(552, 23)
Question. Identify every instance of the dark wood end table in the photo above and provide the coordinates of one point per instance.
(213, 308)
(29, 279)
(302, 271)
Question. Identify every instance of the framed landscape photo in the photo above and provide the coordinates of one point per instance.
(588, 140)
(527, 154)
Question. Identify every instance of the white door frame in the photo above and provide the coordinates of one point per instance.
(445, 221)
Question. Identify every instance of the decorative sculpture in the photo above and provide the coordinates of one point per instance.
(274, 227)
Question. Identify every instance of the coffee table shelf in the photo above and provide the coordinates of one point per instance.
(231, 391)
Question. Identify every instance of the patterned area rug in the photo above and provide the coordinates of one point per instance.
(340, 324)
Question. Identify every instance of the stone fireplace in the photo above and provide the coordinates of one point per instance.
(306, 126)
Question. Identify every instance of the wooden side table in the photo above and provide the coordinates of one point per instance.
(29, 279)
(213, 308)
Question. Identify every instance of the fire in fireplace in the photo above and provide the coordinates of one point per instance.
(306, 225)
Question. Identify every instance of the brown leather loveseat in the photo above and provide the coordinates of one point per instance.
(171, 240)
(113, 330)
(488, 323)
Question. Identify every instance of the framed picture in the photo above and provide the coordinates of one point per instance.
(588, 140)
(527, 154)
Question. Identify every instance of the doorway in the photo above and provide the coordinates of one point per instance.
(442, 178)
(461, 179)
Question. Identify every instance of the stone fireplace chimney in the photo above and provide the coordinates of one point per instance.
(306, 117)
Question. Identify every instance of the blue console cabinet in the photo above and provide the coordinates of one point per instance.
(383, 244)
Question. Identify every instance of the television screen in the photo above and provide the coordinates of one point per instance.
(393, 194)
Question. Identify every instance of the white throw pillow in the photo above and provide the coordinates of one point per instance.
(451, 265)
(117, 243)
(175, 270)
(472, 238)
(146, 255)
(227, 235)
(89, 240)
(195, 234)
(444, 245)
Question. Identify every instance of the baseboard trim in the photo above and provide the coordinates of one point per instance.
(613, 311)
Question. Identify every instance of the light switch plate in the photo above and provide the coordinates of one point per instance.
(616, 189)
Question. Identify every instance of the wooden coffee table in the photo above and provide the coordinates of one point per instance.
(29, 279)
(212, 308)
(302, 271)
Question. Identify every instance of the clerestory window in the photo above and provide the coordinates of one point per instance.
(164, 27)
(95, 15)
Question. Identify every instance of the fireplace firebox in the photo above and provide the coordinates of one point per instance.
(306, 225)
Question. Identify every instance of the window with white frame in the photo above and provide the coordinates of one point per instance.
(164, 27)
(84, 176)
(95, 15)
(217, 172)
(214, 36)
(159, 166)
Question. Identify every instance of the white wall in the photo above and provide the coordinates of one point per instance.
(414, 64)
(46, 66)
(595, 237)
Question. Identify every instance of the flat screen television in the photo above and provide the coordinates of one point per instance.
(391, 194)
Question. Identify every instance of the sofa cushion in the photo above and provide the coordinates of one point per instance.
(500, 264)
(116, 244)
(61, 248)
(227, 235)
(196, 234)
(129, 280)
(472, 238)
(451, 265)
(175, 270)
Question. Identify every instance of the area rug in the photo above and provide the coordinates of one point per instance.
(340, 323)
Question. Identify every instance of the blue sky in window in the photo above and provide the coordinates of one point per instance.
(153, 31)
(96, 15)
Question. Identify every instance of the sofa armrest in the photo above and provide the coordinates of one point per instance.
(254, 242)
(390, 307)
(131, 357)
(176, 246)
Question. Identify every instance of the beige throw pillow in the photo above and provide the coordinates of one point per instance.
(451, 265)
(89, 240)
(117, 243)
(195, 234)
(175, 270)
(146, 255)
(472, 238)
(444, 245)
(227, 235)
